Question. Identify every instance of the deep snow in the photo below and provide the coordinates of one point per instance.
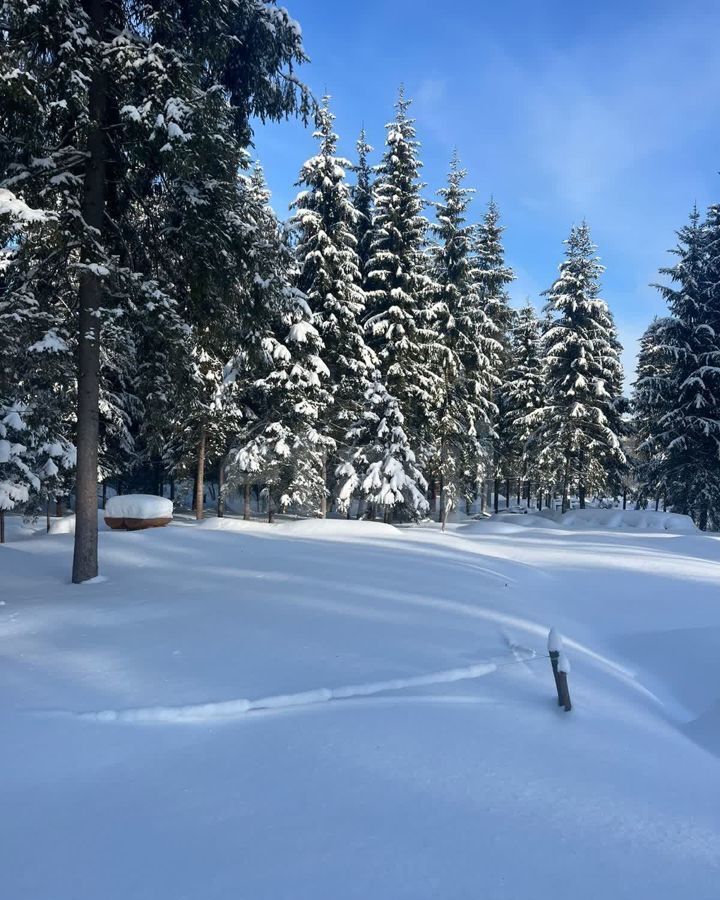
(348, 710)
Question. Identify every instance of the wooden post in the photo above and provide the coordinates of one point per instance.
(563, 690)
(554, 645)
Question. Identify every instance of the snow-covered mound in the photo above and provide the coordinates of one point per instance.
(226, 523)
(506, 523)
(338, 529)
(138, 506)
(66, 524)
(639, 519)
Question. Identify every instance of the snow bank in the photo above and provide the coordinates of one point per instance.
(506, 523)
(66, 524)
(640, 519)
(337, 529)
(225, 523)
(139, 506)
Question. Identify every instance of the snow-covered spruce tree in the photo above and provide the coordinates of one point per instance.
(399, 293)
(492, 277)
(689, 341)
(576, 432)
(382, 467)
(37, 458)
(652, 395)
(330, 278)
(96, 97)
(461, 416)
(362, 198)
(278, 374)
(523, 391)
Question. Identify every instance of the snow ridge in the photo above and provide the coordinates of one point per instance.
(229, 709)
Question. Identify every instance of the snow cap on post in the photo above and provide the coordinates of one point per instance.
(555, 641)
(563, 663)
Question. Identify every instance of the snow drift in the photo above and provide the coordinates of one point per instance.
(638, 519)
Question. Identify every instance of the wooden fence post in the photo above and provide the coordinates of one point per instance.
(554, 645)
(563, 694)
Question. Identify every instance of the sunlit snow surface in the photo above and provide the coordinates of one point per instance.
(345, 710)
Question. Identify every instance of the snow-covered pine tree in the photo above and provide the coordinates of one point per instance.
(99, 101)
(399, 291)
(652, 395)
(362, 198)
(382, 467)
(523, 391)
(690, 436)
(492, 277)
(279, 377)
(36, 456)
(576, 432)
(330, 278)
(462, 413)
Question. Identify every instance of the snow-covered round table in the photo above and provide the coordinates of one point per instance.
(136, 511)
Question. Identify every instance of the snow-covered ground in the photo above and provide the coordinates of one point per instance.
(342, 711)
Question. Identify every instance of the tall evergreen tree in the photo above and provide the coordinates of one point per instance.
(523, 390)
(492, 277)
(652, 395)
(576, 430)
(330, 278)
(399, 289)
(362, 197)
(463, 410)
(690, 382)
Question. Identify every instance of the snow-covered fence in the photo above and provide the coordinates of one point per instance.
(560, 668)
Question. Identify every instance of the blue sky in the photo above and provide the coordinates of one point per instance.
(607, 111)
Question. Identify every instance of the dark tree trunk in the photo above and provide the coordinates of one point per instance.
(518, 487)
(566, 479)
(496, 495)
(104, 495)
(85, 555)
(657, 504)
(436, 497)
(200, 477)
(624, 498)
(323, 498)
(2, 526)
(58, 507)
(221, 489)
(270, 506)
(703, 519)
(47, 516)
(246, 500)
(581, 486)
(172, 488)
(507, 493)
